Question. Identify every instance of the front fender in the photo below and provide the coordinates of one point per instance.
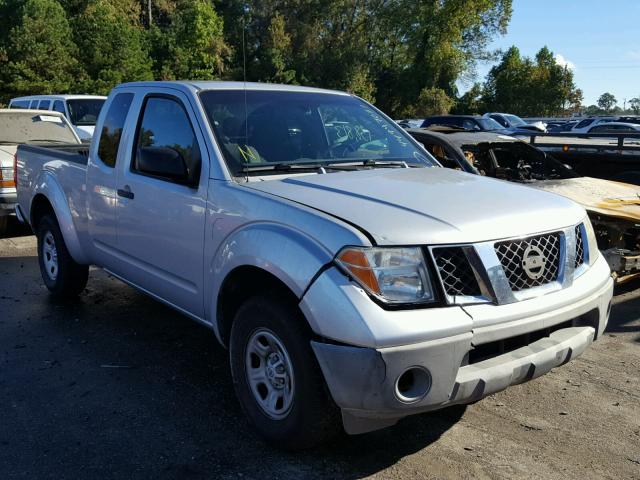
(47, 186)
(287, 253)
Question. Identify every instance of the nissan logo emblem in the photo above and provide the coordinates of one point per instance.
(533, 262)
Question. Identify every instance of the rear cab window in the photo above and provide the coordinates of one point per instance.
(112, 128)
(44, 104)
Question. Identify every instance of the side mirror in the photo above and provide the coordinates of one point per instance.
(163, 162)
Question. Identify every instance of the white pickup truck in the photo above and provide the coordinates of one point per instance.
(25, 126)
(353, 280)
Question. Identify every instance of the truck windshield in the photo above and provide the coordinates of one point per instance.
(258, 128)
(84, 112)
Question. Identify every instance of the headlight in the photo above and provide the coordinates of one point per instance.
(592, 242)
(395, 275)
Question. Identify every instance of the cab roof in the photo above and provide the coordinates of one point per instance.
(197, 86)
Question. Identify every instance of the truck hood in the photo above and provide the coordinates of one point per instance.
(427, 205)
(614, 199)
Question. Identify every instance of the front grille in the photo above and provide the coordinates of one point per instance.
(541, 265)
(579, 247)
(455, 272)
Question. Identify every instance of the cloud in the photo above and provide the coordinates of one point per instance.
(633, 54)
(563, 62)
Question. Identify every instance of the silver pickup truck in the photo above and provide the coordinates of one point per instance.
(353, 280)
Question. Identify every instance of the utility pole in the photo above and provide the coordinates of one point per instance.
(149, 12)
(624, 105)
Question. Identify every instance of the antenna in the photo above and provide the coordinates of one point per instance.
(245, 9)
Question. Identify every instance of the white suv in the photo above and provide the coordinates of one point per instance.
(81, 110)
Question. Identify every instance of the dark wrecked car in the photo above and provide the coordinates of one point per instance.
(614, 207)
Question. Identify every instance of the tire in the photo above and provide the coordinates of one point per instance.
(276, 328)
(63, 277)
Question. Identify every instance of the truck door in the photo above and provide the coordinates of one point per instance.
(102, 179)
(162, 203)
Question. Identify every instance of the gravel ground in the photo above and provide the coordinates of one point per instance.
(115, 385)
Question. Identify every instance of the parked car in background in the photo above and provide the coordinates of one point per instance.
(584, 125)
(410, 122)
(81, 110)
(515, 123)
(561, 126)
(614, 127)
(613, 207)
(464, 122)
(28, 126)
(629, 119)
(354, 280)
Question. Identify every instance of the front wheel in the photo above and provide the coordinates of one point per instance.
(62, 275)
(277, 378)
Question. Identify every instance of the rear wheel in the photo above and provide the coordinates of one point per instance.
(62, 275)
(276, 376)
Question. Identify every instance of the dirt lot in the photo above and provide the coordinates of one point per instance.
(116, 385)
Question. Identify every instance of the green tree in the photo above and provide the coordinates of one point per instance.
(390, 51)
(607, 101)
(192, 46)
(113, 49)
(39, 55)
(538, 87)
(277, 52)
(634, 104)
(431, 101)
(471, 102)
(507, 85)
(575, 101)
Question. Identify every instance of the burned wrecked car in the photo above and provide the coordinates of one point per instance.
(614, 207)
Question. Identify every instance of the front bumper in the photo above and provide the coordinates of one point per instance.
(364, 380)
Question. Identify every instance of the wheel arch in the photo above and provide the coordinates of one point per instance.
(52, 200)
(239, 285)
(280, 256)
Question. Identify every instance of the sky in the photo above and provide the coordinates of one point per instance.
(599, 39)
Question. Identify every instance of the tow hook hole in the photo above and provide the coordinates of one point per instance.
(413, 384)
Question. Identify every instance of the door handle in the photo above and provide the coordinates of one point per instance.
(125, 192)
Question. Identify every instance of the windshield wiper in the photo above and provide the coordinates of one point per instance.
(279, 167)
(369, 162)
(321, 165)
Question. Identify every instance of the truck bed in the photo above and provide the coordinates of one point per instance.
(70, 152)
(68, 164)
